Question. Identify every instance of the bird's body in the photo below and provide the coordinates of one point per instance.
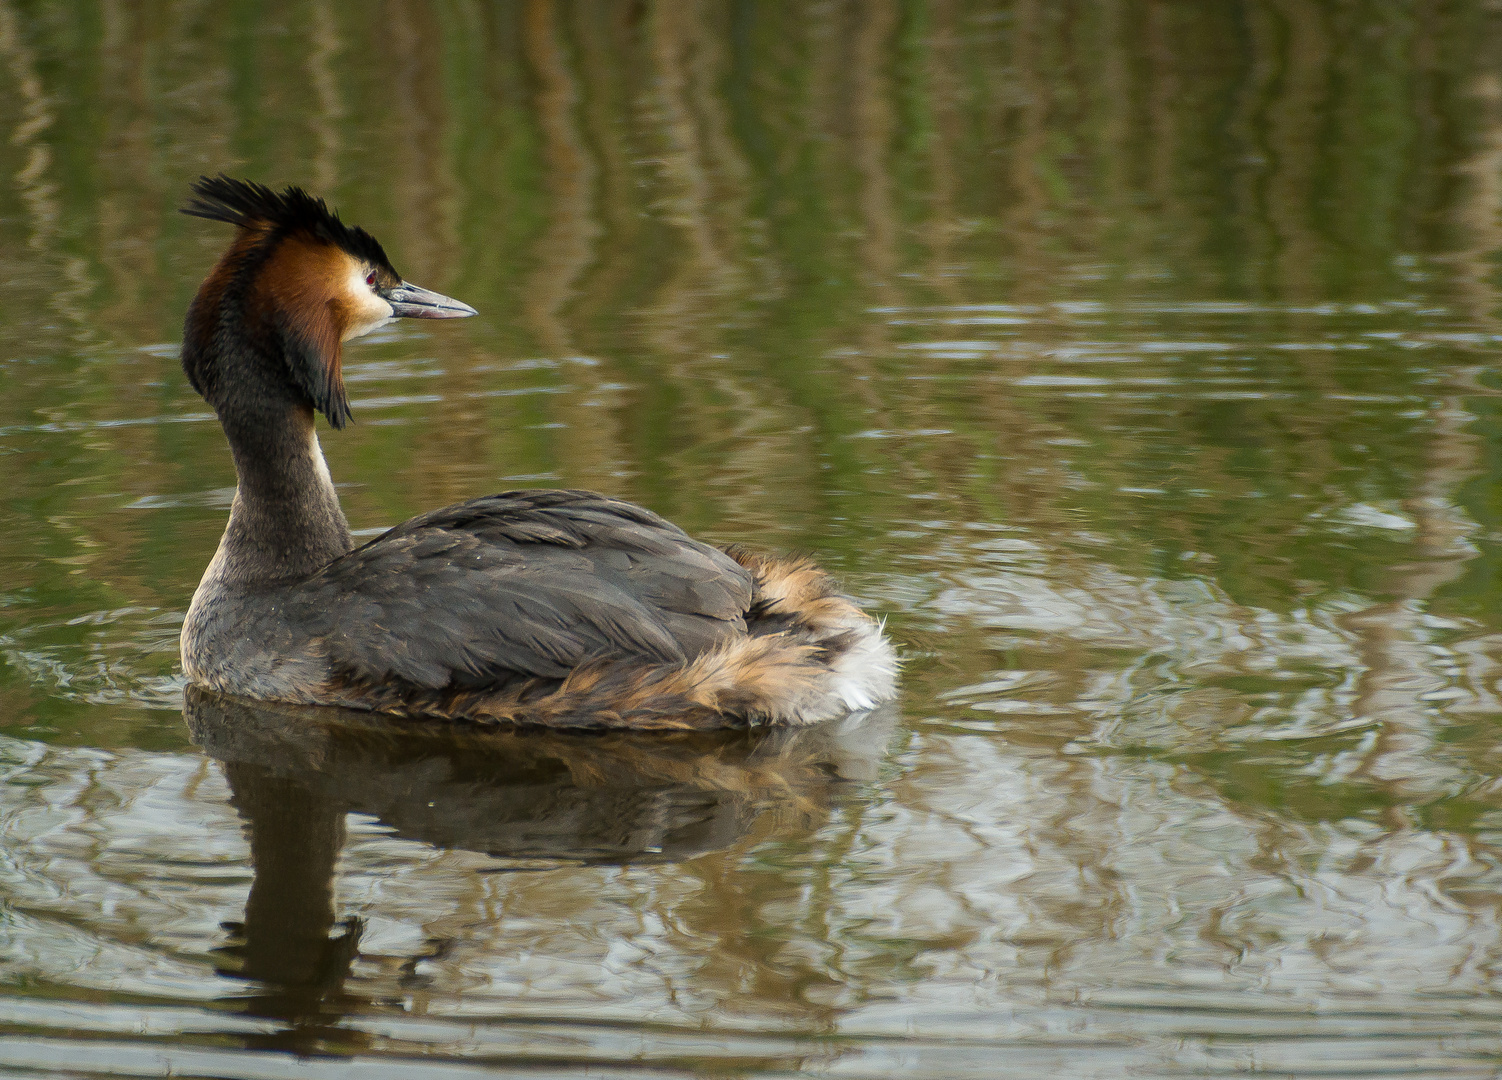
(565, 608)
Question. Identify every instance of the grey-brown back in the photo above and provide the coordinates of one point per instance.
(520, 585)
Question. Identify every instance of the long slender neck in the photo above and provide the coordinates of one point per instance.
(286, 522)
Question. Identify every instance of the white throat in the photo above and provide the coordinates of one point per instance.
(370, 310)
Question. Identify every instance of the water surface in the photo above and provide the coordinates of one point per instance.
(1135, 359)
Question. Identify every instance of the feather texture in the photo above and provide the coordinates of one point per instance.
(527, 584)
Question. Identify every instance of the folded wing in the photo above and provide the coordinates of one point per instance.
(525, 584)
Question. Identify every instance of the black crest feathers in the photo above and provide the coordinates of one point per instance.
(249, 205)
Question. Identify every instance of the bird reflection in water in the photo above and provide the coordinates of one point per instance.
(532, 799)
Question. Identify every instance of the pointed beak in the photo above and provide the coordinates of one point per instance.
(410, 302)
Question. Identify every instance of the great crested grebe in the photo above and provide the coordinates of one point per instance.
(564, 608)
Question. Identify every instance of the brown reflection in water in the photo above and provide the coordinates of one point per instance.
(34, 117)
(590, 455)
(1021, 205)
(413, 110)
(566, 247)
(36, 181)
(1477, 214)
(1246, 127)
(527, 798)
(1394, 643)
(686, 61)
(602, 33)
(871, 131)
(129, 232)
(1398, 666)
(1160, 127)
(702, 183)
(941, 78)
(420, 185)
(329, 110)
(1293, 119)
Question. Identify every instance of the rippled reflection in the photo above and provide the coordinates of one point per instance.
(1136, 358)
(530, 795)
(527, 799)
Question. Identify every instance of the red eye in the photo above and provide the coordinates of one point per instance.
(370, 279)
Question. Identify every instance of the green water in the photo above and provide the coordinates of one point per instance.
(1136, 360)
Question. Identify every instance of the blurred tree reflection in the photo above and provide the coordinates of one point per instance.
(703, 237)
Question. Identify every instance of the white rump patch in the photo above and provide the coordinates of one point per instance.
(865, 674)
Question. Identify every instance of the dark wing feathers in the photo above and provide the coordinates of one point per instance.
(522, 584)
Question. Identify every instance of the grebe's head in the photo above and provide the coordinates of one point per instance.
(295, 284)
